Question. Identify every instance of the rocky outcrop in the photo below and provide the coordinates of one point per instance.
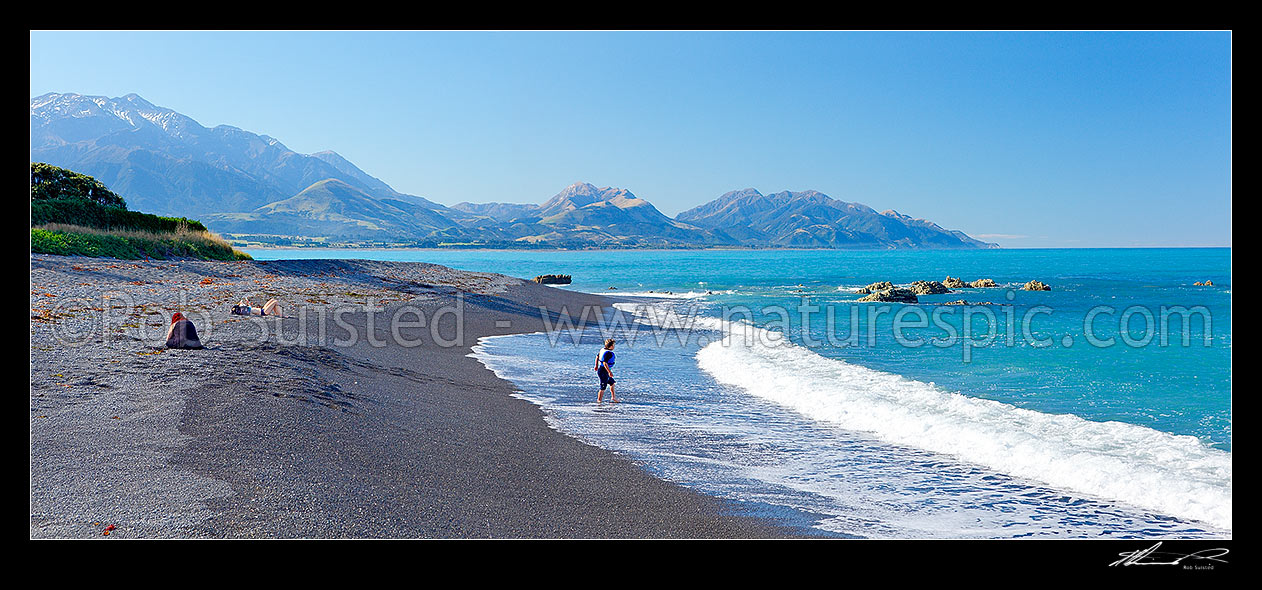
(892, 295)
(928, 288)
(954, 283)
(874, 287)
(553, 279)
(1205, 284)
(931, 287)
(1036, 286)
(963, 302)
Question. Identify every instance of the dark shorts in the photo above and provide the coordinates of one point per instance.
(605, 379)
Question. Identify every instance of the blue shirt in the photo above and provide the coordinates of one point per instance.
(605, 355)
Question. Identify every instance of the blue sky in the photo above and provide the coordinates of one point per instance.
(1030, 139)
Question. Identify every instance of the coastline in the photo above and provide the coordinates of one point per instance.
(273, 432)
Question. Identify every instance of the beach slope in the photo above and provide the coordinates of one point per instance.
(359, 415)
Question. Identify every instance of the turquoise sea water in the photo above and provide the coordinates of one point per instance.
(1091, 410)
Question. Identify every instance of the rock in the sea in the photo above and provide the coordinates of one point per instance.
(1209, 283)
(874, 287)
(892, 295)
(963, 302)
(928, 288)
(612, 289)
(553, 279)
(954, 283)
(1036, 286)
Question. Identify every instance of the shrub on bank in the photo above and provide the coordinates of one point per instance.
(63, 240)
(87, 213)
(75, 214)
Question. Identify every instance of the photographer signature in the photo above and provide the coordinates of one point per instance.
(1150, 556)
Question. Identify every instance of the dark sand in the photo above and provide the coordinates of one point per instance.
(276, 433)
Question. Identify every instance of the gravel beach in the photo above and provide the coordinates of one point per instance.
(331, 422)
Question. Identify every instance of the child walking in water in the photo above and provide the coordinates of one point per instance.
(604, 370)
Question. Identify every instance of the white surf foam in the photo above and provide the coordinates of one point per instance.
(1175, 475)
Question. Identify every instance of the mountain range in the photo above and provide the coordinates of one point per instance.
(242, 183)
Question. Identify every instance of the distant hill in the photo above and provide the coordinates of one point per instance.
(615, 212)
(811, 219)
(334, 208)
(498, 211)
(244, 183)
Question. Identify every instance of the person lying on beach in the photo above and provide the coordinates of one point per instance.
(604, 370)
(272, 307)
(182, 333)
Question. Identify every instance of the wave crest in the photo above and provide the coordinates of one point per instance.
(1168, 473)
